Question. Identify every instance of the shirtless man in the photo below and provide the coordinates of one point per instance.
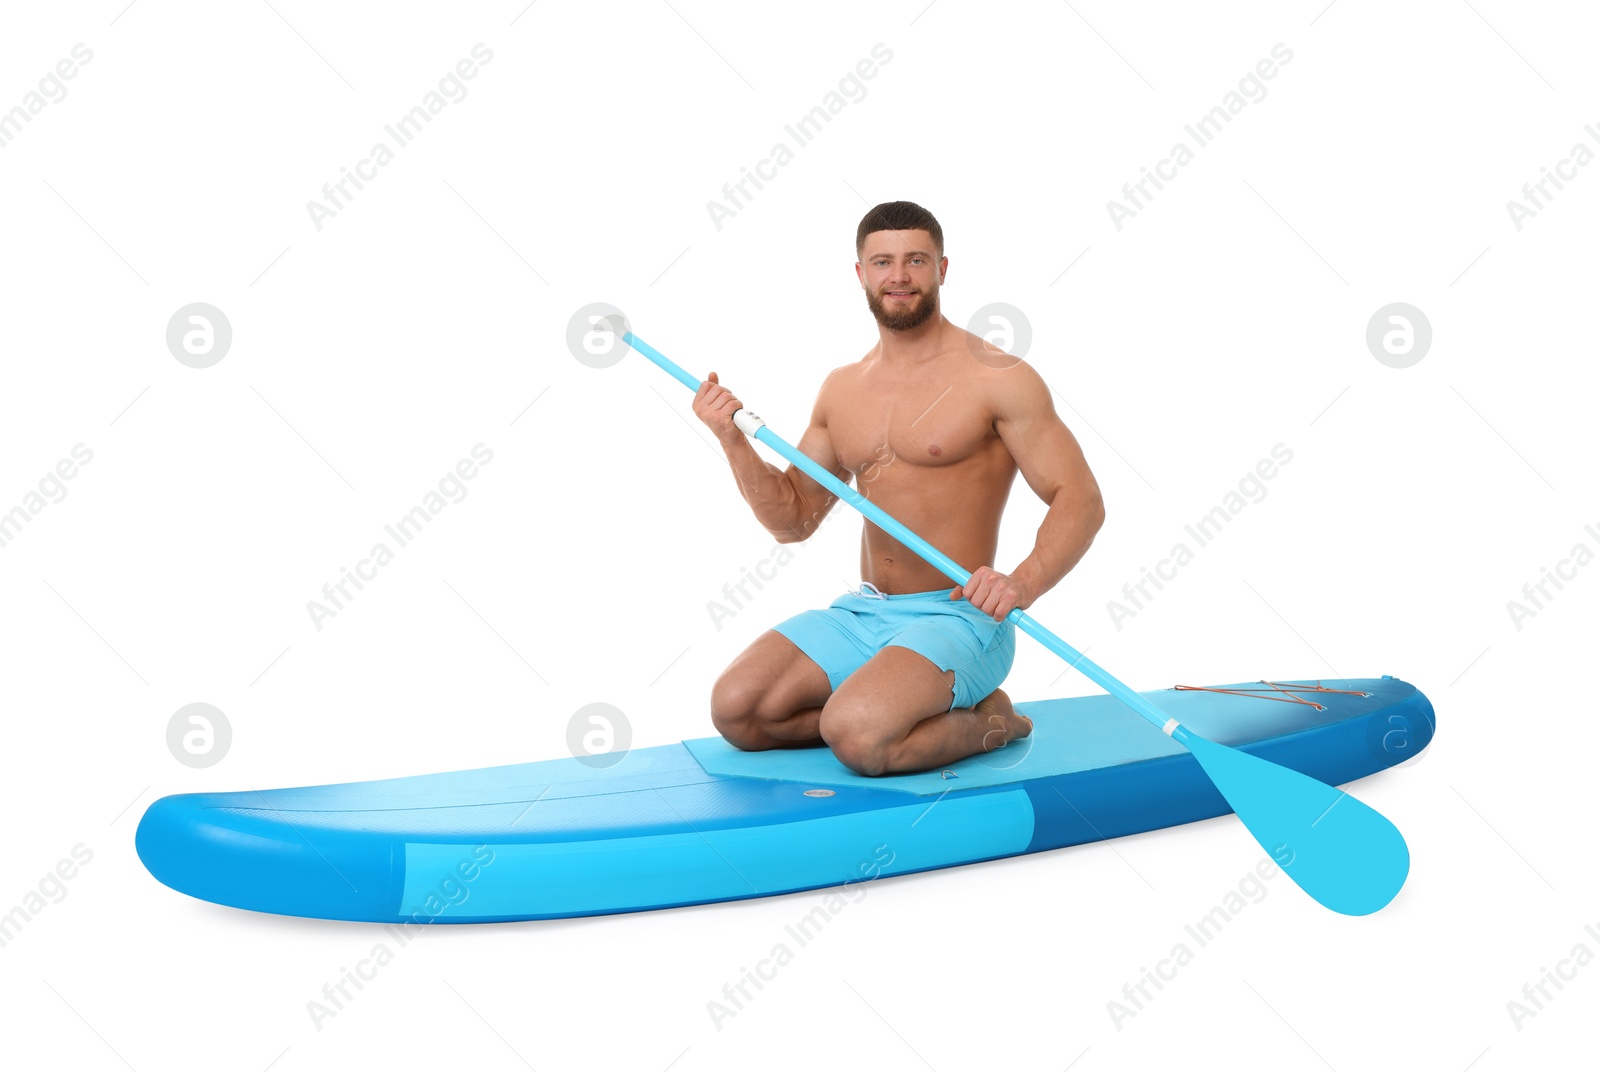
(934, 424)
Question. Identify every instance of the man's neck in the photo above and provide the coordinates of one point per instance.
(904, 349)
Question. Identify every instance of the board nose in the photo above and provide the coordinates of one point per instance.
(215, 847)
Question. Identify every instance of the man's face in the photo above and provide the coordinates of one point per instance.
(901, 275)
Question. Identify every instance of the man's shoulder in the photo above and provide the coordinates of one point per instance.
(984, 356)
(998, 372)
(827, 398)
(840, 379)
(1010, 388)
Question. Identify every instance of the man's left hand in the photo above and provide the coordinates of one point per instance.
(993, 592)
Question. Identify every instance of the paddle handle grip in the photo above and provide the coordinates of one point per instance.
(925, 550)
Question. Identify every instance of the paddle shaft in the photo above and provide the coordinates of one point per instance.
(929, 553)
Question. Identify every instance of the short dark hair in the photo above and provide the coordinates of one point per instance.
(898, 216)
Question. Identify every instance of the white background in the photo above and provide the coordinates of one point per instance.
(430, 315)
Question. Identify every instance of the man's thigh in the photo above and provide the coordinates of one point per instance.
(973, 647)
(775, 678)
(839, 638)
(885, 699)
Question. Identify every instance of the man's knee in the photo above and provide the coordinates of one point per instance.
(853, 741)
(863, 755)
(735, 704)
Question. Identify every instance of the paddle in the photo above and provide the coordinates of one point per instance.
(1340, 851)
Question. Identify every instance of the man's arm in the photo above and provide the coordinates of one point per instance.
(1052, 463)
(788, 503)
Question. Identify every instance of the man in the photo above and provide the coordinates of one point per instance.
(903, 673)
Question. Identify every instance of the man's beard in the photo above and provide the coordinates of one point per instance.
(903, 316)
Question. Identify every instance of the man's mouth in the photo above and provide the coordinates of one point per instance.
(902, 293)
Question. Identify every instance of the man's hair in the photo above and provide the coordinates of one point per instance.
(899, 216)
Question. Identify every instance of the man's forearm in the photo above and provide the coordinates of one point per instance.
(1068, 529)
(773, 498)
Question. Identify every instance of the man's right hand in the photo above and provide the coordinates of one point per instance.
(715, 405)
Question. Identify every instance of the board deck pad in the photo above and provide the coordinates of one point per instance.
(1081, 734)
(700, 822)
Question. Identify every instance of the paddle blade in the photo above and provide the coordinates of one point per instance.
(1343, 853)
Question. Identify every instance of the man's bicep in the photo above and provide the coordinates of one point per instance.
(1047, 453)
(817, 444)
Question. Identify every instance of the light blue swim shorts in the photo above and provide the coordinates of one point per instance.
(950, 633)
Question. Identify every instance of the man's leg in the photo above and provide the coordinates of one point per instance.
(770, 696)
(893, 716)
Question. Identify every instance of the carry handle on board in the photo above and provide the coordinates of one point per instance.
(1340, 851)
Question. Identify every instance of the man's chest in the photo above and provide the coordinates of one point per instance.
(928, 423)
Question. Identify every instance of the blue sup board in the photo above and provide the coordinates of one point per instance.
(701, 821)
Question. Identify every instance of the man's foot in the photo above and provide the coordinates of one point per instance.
(1001, 722)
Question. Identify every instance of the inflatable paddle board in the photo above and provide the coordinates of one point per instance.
(701, 821)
